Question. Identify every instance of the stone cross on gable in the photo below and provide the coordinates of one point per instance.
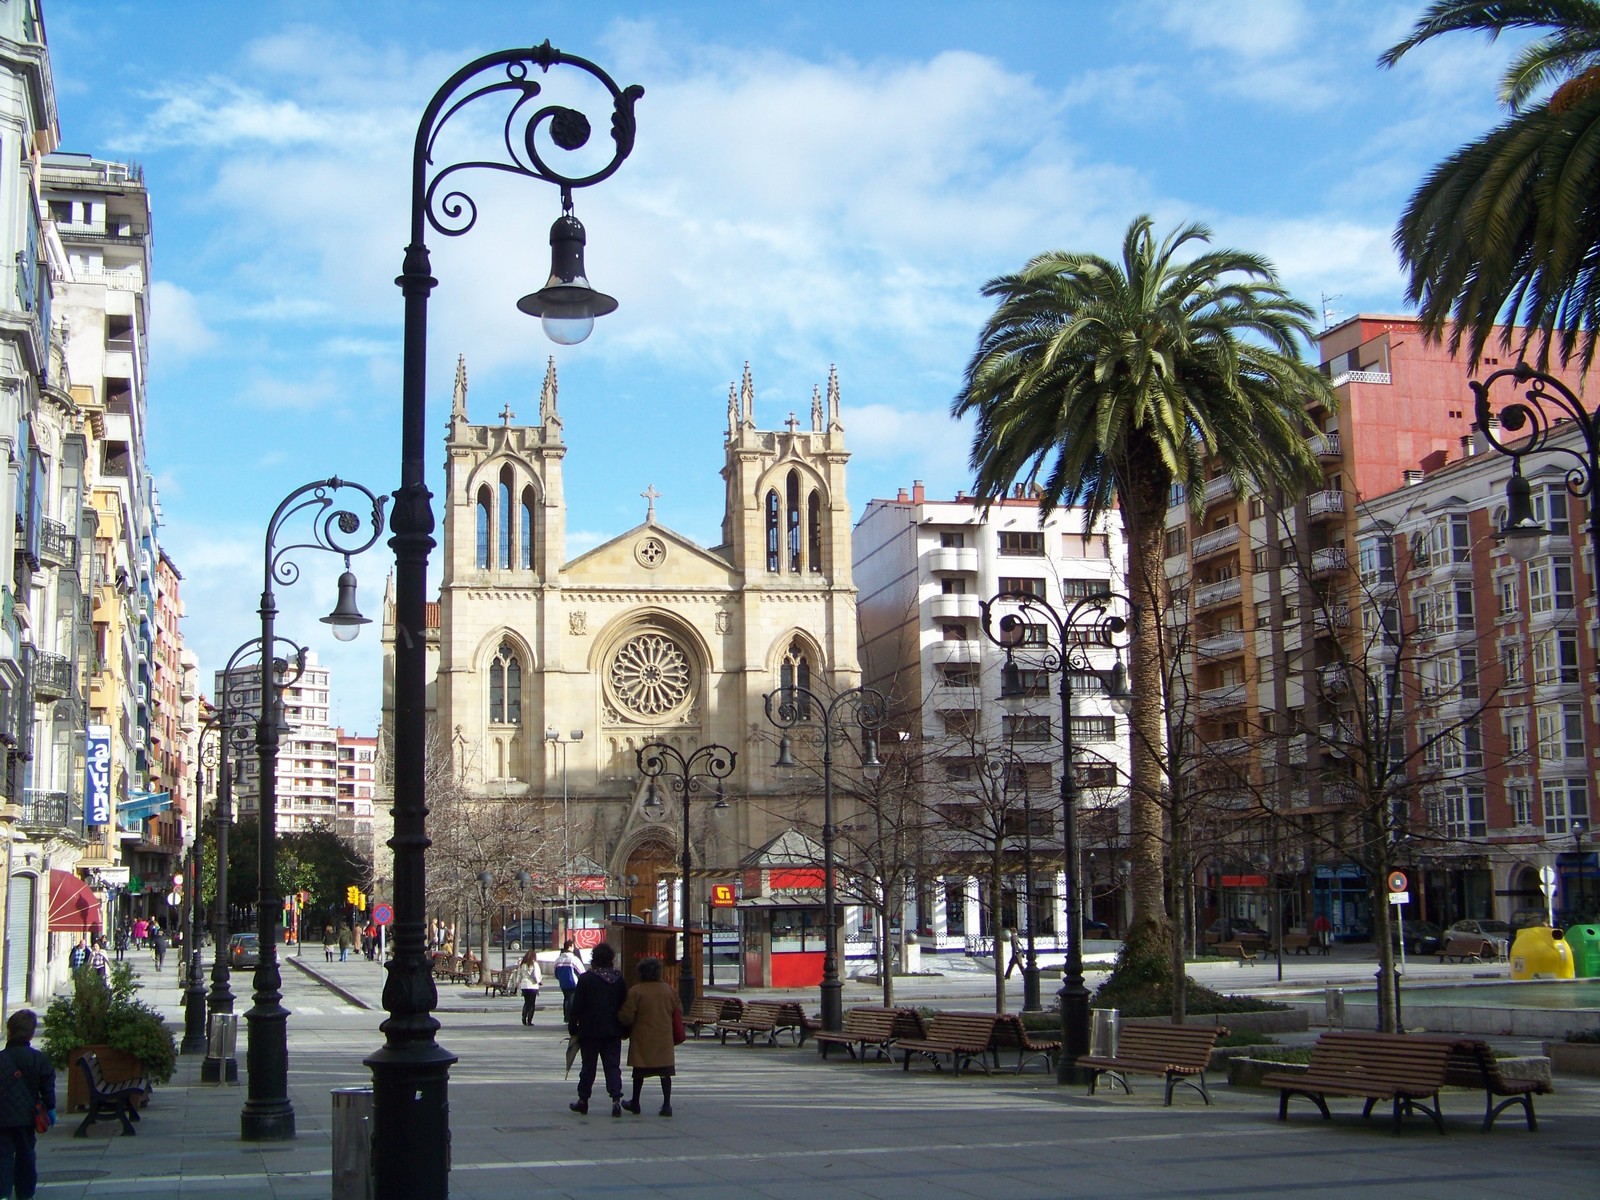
(793, 424)
(505, 416)
(651, 496)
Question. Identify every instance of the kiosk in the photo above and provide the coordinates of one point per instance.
(781, 914)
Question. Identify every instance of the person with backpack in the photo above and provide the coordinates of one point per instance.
(27, 1105)
(568, 966)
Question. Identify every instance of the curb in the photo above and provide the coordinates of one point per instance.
(343, 993)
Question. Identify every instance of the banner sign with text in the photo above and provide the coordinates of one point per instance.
(97, 789)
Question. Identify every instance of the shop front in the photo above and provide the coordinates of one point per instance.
(782, 941)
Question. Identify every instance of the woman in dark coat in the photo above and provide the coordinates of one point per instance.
(595, 1002)
(648, 1015)
(26, 1079)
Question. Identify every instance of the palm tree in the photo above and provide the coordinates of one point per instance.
(1106, 383)
(1508, 228)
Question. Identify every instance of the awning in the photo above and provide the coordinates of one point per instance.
(73, 907)
(140, 807)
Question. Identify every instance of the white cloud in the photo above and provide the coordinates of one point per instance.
(178, 326)
(1252, 29)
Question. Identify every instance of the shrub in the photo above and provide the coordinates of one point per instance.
(102, 1013)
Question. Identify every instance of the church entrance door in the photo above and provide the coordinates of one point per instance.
(647, 866)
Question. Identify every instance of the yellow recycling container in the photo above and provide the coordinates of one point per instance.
(1540, 952)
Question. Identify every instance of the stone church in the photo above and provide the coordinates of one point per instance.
(550, 671)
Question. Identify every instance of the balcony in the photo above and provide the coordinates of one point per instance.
(1345, 377)
(953, 560)
(57, 543)
(1333, 619)
(1330, 560)
(1215, 542)
(949, 695)
(52, 677)
(46, 810)
(1228, 696)
(1234, 750)
(1325, 446)
(1335, 679)
(1221, 645)
(955, 607)
(961, 650)
(1325, 505)
(1218, 593)
(1218, 489)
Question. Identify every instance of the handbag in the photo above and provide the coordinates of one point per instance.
(679, 1034)
(41, 1119)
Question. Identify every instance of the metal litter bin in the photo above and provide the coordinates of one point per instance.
(352, 1143)
(222, 1035)
(1103, 1035)
(1333, 1007)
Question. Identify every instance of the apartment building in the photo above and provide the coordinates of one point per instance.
(357, 788)
(308, 753)
(922, 568)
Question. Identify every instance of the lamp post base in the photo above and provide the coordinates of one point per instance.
(219, 1070)
(194, 1011)
(268, 1122)
(1074, 1032)
(832, 1005)
(1030, 990)
(410, 1120)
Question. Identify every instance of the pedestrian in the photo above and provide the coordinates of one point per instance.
(569, 965)
(1323, 928)
(141, 931)
(528, 980)
(78, 955)
(98, 960)
(653, 1015)
(329, 941)
(596, 1000)
(158, 943)
(122, 941)
(344, 942)
(27, 1091)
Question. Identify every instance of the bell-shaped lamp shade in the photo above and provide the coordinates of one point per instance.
(785, 752)
(651, 800)
(1119, 692)
(346, 619)
(1010, 680)
(869, 750)
(566, 305)
(1524, 536)
(722, 798)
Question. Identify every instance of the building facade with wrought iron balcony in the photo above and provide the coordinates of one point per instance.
(922, 567)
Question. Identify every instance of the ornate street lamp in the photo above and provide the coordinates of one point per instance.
(268, 1116)
(685, 776)
(410, 1073)
(1004, 772)
(1089, 624)
(823, 718)
(194, 996)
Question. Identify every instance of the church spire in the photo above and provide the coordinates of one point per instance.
(458, 402)
(747, 398)
(816, 409)
(733, 409)
(834, 424)
(547, 397)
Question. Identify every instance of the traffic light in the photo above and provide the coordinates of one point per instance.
(352, 895)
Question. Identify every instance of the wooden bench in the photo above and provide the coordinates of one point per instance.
(709, 1010)
(1467, 948)
(1302, 943)
(108, 1099)
(965, 1038)
(874, 1029)
(1406, 1069)
(1472, 1065)
(1178, 1053)
(758, 1017)
(1234, 950)
(792, 1016)
(446, 966)
(1011, 1034)
(500, 983)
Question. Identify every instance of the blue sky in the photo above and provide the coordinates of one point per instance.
(817, 184)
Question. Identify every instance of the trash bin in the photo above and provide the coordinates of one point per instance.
(222, 1035)
(1540, 952)
(1103, 1036)
(1333, 1007)
(352, 1143)
(1584, 942)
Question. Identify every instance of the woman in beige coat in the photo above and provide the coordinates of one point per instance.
(647, 1013)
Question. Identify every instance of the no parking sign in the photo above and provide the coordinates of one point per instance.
(382, 914)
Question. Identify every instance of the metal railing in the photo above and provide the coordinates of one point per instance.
(41, 809)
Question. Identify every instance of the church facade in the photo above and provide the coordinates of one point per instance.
(551, 672)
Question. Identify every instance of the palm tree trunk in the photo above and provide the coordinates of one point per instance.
(1144, 510)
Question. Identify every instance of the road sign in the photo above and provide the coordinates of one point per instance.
(1397, 883)
(382, 914)
(1547, 880)
(1399, 897)
(174, 898)
(722, 895)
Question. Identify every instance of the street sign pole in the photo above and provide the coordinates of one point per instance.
(1547, 885)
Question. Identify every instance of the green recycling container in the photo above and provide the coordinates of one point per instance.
(1585, 943)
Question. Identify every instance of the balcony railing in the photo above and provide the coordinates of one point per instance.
(57, 543)
(52, 677)
(957, 606)
(1215, 541)
(1330, 560)
(1219, 488)
(1345, 377)
(952, 560)
(1229, 696)
(46, 810)
(1325, 445)
(1218, 593)
(1336, 617)
(1221, 645)
(1329, 503)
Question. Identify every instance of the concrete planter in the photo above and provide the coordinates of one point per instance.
(1573, 1058)
(1290, 1021)
(1247, 1072)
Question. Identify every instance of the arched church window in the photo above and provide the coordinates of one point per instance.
(483, 529)
(525, 529)
(772, 531)
(505, 518)
(505, 687)
(814, 531)
(794, 522)
(795, 672)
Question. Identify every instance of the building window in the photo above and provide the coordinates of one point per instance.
(1560, 732)
(1467, 669)
(1506, 588)
(1257, 507)
(959, 675)
(1564, 801)
(793, 489)
(505, 687)
(1550, 509)
(1464, 811)
(1519, 798)
(1511, 663)
(1022, 542)
(1023, 584)
(1033, 682)
(1516, 737)
(505, 519)
(796, 673)
(1022, 728)
(483, 530)
(774, 530)
(952, 541)
(953, 632)
(525, 529)
(1094, 729)
(1550, 585)
(959, 722)
(953, 586)
(1177, 541)
(1082, 589)
(814, 532)
(1555, 657)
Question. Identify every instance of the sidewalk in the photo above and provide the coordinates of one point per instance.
(755, 1122)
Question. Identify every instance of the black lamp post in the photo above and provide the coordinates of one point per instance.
(194, 996)
(523, 880)
(1583, 874)
(799, 706)
(1089, 624)
(1015, 770)
(410, 1073)
(684, 776)
(268, 1116)
(485, 882)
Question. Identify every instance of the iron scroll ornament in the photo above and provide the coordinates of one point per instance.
(335, 529)
(1535, 426)
(685, 776)
(1090, 624)
(453, 212)
(790, 707)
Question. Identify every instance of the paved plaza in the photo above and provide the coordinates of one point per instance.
(760, 1122)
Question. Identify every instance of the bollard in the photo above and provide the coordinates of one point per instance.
(352, 1143)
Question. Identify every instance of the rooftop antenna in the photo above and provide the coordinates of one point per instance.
(1328, 311)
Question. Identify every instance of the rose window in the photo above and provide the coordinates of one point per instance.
(649, 675)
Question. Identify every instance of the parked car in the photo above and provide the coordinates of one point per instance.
(1095, 929)
(1497, 932)
(1421, 937)
(244, 950)
(528, 932)
(1232, 929)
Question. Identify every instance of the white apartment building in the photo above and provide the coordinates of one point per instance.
(358, 788)
(308, 755)
(923, 567)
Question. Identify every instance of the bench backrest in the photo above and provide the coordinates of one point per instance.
(732, 1008)
(90, 1062)
(1011, 1034)
(1178, 1045)
(1411, 1061)
(707, 1010)
(909, 1023)
(1469, 944)
(761, 1012)
(874, 1024)
(963, 1029)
